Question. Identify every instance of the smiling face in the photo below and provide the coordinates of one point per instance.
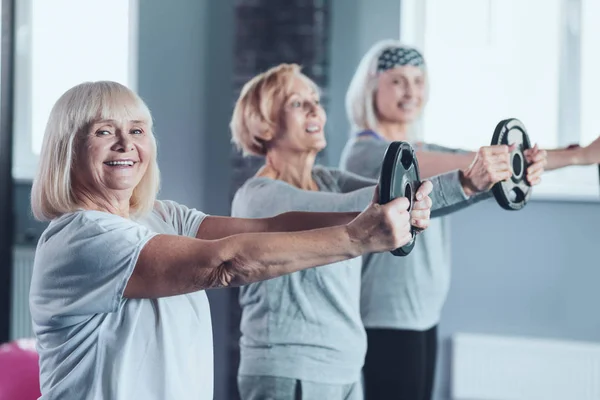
(302, 118)
(112, 157)
(400, 94)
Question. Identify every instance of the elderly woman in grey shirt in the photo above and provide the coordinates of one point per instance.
(401, 306)
(117, 292)
(302, 335)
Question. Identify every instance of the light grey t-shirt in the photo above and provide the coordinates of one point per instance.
(407, 292)
(304, 325)
(94, 343)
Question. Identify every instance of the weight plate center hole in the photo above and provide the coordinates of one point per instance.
(517, 164)
(409, 195)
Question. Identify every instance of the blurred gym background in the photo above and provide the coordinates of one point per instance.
(521, 320)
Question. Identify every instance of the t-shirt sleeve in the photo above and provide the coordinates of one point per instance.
(262, 197)
(449, 197)
(185, 220)
(83, 265)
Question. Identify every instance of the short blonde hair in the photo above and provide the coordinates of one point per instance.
(73, 113)
(360, 97)
(259, 105)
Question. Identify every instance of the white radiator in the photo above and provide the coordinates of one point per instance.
(20, 324)
(486, 367)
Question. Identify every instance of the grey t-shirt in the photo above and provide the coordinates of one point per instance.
(304, 325)
(94, 343)
(307, 325)
(407, 292)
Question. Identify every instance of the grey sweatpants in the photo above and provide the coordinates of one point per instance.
(276, 388)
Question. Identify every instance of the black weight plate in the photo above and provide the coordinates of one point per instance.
(513, 193)
(400, 178)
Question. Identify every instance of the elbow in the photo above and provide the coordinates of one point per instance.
(229, 272)
(236, 261)
(221, 276)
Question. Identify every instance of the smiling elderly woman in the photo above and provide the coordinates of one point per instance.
(117, 298)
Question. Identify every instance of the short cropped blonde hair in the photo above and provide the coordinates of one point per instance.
(360, 96)
(52, 193)
(259, 105)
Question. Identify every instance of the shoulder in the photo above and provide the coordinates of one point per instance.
(368, 140)
(333, 173)
(83, 228)
(256, 196)
(257, 185)
(86, 241)
(84, 220)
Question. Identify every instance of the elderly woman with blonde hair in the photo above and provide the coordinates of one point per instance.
(402, 299)
(302, 335)
(117, 293)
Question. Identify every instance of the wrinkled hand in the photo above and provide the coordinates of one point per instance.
(491, 165)
(537, 159)
(382, 227)
(419, 216)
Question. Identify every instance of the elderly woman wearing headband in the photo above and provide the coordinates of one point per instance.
(117, 292)
(401, 306)
(303, 333)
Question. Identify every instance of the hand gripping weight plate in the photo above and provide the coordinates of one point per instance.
(513, 193)
(400, 178)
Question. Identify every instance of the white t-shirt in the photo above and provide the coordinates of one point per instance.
(94, 343)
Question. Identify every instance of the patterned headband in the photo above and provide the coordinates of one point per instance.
(397, 57)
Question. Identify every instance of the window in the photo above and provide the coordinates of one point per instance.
(59, 44)
(534, 60)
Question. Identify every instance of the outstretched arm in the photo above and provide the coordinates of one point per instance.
(314, 210)
(437, 162)
(171, 265)
(574, 155)
(432, 163)
(213, 228)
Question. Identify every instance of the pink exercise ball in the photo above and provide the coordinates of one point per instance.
(19, 370)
